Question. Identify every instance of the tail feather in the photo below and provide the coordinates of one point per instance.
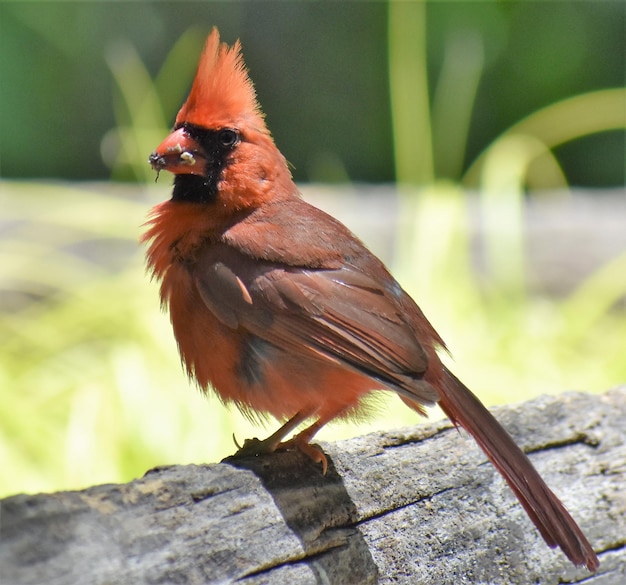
(546, 511)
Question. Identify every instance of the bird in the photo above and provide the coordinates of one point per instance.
(279, 309)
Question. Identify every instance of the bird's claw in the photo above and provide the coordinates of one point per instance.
(254, 448)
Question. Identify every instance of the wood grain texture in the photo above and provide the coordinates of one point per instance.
(418, 505)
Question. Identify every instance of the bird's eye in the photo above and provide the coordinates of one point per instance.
(228, 137)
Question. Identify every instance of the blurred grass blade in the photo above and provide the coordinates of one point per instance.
(454, 99)
(502, 207)
(175, 75)
(566, 120)
(408, 84)
(140, 119)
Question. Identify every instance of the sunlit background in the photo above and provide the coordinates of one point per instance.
(478, 147)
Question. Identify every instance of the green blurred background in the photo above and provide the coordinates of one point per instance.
(327, 59)
(500, 99)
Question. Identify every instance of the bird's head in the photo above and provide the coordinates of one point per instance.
(220, 145)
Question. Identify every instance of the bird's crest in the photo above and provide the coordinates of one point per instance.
(222, 93)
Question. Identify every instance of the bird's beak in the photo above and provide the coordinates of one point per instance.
(180, 154)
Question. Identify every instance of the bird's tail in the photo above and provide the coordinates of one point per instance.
(547, 512)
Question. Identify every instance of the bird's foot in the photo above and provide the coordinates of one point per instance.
(301, 442)
(255, 447)
(313, 452)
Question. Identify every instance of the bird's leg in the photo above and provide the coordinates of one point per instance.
(302, 442)
(255, 446)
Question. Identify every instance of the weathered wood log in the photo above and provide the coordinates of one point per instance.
(418, 505)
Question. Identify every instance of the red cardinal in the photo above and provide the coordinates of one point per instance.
(281, 310)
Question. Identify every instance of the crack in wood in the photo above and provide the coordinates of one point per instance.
(616, 547)
(294, 560)
(408, 439)
(578, 439)
(202, 495)
(386, 511)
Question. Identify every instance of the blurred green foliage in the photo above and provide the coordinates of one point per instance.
(487, 65)
(91, 388)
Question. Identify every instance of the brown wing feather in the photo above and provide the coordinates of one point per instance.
(340, 314)
(333, 309)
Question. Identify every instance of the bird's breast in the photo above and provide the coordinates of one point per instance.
(247, 370)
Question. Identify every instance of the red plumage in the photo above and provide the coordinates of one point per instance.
(279, 309)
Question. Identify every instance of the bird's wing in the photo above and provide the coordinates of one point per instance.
(341, 315)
